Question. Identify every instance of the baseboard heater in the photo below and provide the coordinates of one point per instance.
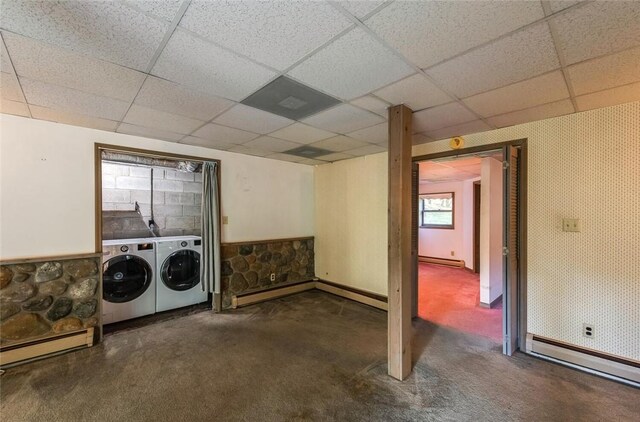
(25, 352)
(609, 366)
(367, 298)
(457, 263)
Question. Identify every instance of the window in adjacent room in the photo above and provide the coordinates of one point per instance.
(436, 210)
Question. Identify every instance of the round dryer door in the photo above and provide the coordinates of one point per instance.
(181, 270)
(125, 278)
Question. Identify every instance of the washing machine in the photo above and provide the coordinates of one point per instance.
(128, 279)
(178, 272)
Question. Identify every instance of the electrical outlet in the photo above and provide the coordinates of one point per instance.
(453, 253)
(225, 219)
(570, 225)
(273, 277)
(588, 330)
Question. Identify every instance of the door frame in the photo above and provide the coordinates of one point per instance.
(522, 223)
(476, 226)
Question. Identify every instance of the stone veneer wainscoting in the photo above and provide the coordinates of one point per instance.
(45, 298)
(247, 266)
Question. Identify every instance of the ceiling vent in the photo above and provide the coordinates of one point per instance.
(307, 151)
(288, 98)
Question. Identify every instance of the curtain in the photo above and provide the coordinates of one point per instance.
(210, 260)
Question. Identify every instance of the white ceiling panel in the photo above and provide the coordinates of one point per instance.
(206, 143)
(277, 34)
(429, 32)
(286, 157)
(520, 56)
(420, 138)
(213, 132)
(344, 118)
(5, 63)
(336, 156)
(312, 162)
(558, 5)
(339, 143)
(268, 143)
(609, 97)
(360, 8)
(52, 115)
(67, 99)
(441, 116)
(545, 111)
(352, 66)
(165, 9)
(148, 117)
(605, 72)
(301, 133)
(598, 28)
(148, 132)
(459, 130)
(164, 95)
(378, 134)
(242, 149)
(57, 66)
(14, 107)
(366, 150)
(526, 94)
(373, 104)
(202, 66)
(248, 118)
(416, 91)
(10, 88)
(106, 30)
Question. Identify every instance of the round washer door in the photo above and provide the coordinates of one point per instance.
(181, 270)
(125, 278)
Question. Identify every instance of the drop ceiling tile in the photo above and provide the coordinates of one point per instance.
(248, 118)
(336, 156)
(351, 66)
(416, 92)
(526, 94)
(312, 162)
(459, 130)
(148, 132)
(57, 66)
(286, 157)
(339, 143)
(366, 150)
(243, 149)
(597, 28)
(70, 100)
(378, 134)
(605, 72)
(609, 97)
(558, 5)
(207, 143)
(205, 67)
(429, 32)
(420, 138)
(440, 117)
(164, 95)
(106, 30)
(213, 132)
(268, 143)
(14, 107)
(360, 8)
(277, 34)
(544, 111)
(301, 133)
(373, 104)
(5, 63)
(10, 88)
(343, 119)
(519, 56)
(165, 9)
(148, 117)
(73, 119)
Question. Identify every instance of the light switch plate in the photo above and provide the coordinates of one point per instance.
(570, 224)
(225, 219)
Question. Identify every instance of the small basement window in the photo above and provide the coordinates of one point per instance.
(436, 210)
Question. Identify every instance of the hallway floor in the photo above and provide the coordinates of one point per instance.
(451, 297)
(308, 357)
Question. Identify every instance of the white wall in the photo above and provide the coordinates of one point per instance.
(491, 230)
(440, 243)
(47, 189)
(351, 222)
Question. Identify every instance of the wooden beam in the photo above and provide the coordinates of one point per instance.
(399, 314)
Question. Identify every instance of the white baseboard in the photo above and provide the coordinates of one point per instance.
(12, 355)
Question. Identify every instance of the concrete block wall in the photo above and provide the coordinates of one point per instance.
(177, 196)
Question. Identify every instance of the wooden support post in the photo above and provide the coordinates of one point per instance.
(399, 314)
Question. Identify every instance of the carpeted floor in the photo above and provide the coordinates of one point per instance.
(451, 297)
(308, 357)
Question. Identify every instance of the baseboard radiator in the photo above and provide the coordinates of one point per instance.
(456, 263)
(28, 351)
(619, 369)
(367, 298)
